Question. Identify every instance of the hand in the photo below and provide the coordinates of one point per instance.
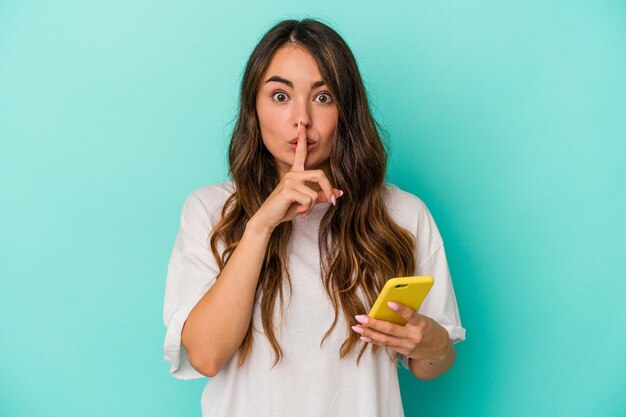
(292, 196)
(420, 338)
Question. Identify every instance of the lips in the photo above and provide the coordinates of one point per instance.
(309, 141)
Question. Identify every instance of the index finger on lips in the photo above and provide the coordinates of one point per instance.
(300, 156)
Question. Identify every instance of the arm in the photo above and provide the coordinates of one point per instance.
(218, 323)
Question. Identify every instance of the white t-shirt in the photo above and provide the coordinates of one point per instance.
(309, 381)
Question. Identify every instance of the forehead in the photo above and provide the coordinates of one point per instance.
(293, 63)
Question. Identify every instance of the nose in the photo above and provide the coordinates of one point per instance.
(301, 114)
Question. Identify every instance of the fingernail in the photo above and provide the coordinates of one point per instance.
(333, 199)
(358, 329)
(361, 319)
(340, 193)
(393, 306)
(365, 339)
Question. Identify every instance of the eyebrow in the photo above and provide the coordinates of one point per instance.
(290, 84)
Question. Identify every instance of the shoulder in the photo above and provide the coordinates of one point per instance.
(402, 203)
(207, 201)
(213, 192)
(410, 212)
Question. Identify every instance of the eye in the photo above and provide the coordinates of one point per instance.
(279, 96)
(325, 98)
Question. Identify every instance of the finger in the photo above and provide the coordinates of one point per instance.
(382, 326)
(320, 178)
(308, 208)
(403, 349)
(302, 199)
(406, 312)
(379, 338)
(327, 188)
(300, 156)
(320, 197)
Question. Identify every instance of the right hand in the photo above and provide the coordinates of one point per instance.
(292, 196)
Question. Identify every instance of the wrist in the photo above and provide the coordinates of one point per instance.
(440, 346)
(435, 363)
(254, 227)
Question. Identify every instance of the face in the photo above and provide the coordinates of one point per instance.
(292, 90)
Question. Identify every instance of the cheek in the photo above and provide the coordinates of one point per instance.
(329, 123)
(324, 118)
(269, 121)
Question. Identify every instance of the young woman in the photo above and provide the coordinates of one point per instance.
(272, 274)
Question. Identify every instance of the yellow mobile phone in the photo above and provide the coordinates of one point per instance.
(409, 291)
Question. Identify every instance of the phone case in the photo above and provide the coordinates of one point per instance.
(409, 291)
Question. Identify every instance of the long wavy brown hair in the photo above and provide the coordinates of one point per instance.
(360, 245)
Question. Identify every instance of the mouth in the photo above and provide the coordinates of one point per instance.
(309, 141)
(310, 144)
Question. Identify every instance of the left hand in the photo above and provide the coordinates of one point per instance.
(420, 338)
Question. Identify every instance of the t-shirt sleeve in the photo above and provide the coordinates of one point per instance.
(440, 303)
(191, 272)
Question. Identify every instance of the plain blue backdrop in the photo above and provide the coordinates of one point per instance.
(506, 118)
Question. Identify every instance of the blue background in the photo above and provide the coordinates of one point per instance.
(506, 118)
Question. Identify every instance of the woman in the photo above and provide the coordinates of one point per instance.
(272, 274)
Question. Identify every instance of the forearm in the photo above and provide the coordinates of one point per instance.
(218, 323)
(426, 369)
